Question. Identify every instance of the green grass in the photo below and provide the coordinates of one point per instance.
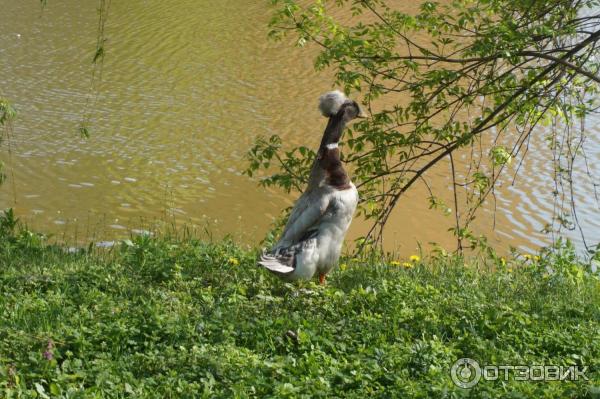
(161, 318)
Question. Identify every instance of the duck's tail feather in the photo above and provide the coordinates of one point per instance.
(284, 260)
(281, 264)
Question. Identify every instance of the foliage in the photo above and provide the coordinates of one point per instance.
(468, 79)
(98, 64)
(7, 112)
(7, 115)
(168, 318)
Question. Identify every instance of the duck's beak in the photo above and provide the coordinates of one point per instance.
(362, 114)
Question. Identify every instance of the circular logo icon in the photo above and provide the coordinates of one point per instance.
(465, 373)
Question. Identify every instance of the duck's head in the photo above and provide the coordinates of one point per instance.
(335, 103)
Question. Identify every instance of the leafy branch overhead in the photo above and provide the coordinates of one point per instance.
(469, 79)
(8, 113)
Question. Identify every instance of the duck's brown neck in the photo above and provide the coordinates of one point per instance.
(328, 156)
(333, 131)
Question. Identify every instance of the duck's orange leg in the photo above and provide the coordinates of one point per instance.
(321, 279)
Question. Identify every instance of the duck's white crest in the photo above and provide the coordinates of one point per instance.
(331, 102)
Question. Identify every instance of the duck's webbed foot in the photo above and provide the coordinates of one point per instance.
(322, 278)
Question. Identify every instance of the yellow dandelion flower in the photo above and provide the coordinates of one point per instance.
(536, 258)
(503, 261)
(343, 266)
(415, 258)
(408, 265)
(509, 270)
(527, 256)
(394, 263)
(234, 261)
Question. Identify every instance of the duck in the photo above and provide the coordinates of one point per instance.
(312, 239)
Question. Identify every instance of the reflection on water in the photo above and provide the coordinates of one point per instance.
(185, 90)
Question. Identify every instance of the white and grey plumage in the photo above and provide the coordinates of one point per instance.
(313, 236)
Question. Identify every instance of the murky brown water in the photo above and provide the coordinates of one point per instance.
(186, 88)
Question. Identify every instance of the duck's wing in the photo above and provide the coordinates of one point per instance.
(307, 211)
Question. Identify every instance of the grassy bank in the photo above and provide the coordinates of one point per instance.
(176, 319)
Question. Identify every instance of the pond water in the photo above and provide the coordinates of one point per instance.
(185, 89)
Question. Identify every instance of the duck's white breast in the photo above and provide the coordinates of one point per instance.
(334, 226)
